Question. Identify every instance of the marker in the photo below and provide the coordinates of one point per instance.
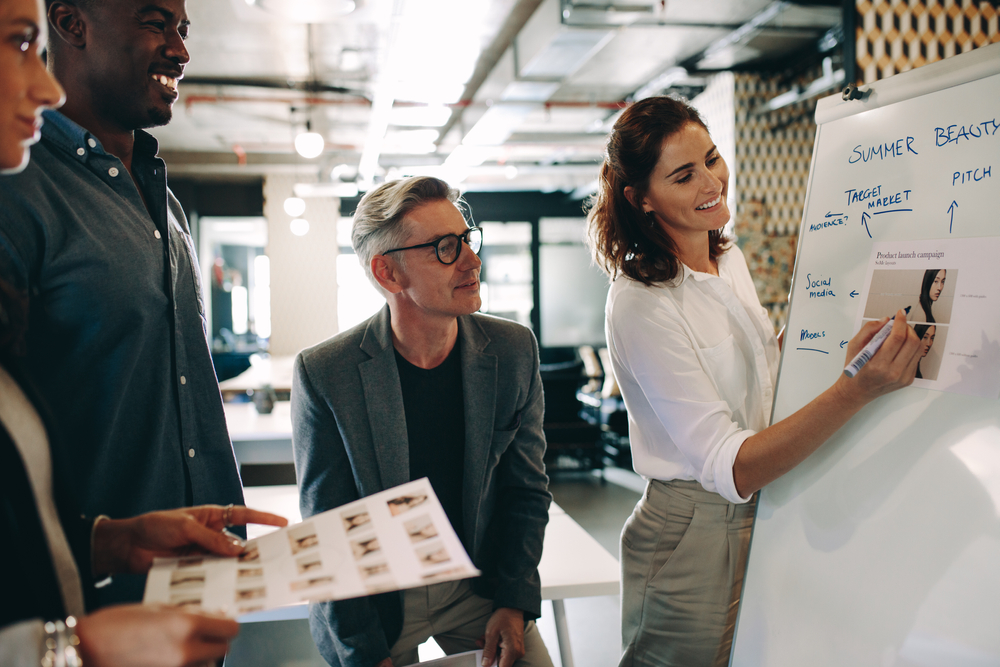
(869, 350)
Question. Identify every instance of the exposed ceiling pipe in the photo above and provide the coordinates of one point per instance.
(191, 100)
(382, 101)
(740, 35)
(308, 86)
(490, 56)
(831, 79)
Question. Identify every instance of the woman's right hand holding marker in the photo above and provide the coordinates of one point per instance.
(893, 366)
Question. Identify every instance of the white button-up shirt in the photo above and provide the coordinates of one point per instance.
(696, 360)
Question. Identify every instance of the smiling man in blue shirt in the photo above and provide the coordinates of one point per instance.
(117, 343)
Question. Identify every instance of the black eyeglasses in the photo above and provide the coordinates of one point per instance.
(449, 246)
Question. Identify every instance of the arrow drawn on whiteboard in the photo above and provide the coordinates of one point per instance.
(951, 210)
(809, 349)
(842, 344)
(864, 221)
(854, 293)
(834, 215)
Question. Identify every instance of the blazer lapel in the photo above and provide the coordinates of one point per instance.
(384, 403)
(479, 385)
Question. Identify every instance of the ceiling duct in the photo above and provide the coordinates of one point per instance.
(779, 29)
(294, 11)
(543, 55)
(566, 52)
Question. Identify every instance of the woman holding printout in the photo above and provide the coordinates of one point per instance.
(696, 358)
(49, 551)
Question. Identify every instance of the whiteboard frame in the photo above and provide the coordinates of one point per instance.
(955, 71)
(948, 73)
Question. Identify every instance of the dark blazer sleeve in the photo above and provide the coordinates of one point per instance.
(348, 633)
(522, 504)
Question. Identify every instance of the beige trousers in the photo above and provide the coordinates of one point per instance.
(456, 617)
(683, 554)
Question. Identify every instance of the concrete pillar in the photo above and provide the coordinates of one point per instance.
(303, 269)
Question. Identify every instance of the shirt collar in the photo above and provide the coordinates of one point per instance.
(686, 271)
(69, 136)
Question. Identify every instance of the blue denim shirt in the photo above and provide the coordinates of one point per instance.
(117, 340)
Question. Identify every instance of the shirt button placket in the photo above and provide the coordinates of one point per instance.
(113, 172)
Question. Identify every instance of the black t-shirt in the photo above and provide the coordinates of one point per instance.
(435, 426)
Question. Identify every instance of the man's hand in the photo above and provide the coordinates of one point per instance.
(504, 635)
(130, 545)
(153, 636)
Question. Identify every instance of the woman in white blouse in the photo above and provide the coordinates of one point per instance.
(696, 358)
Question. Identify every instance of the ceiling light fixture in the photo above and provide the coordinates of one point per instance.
(299, 227)
(295, 206)
(309, 144)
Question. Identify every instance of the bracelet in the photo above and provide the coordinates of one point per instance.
(61, 644)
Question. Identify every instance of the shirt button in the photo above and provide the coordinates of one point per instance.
(183, 380)
(113, 172)
(191, 453)
(156, 233)
(81, 151)
(92, 142)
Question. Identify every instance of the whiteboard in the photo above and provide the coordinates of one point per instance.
(883, 548)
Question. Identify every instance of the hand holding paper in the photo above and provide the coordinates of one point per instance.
(504, 639)
(399, 538)
(131, 545)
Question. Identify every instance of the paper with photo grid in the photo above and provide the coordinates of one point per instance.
(399, 538)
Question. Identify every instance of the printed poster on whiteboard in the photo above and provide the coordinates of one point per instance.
(952, 288)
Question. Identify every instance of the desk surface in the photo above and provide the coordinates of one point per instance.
(573, 563)
(275, 371)
(245, 423)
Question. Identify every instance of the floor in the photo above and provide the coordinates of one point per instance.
(601, 508)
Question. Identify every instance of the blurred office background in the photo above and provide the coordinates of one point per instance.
(291, 109)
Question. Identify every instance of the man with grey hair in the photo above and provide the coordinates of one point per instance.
(429, 388)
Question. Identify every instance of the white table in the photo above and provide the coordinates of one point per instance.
(573, 563)
(260, 438)
(264, 370)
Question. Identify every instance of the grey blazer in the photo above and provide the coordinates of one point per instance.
(349, 437)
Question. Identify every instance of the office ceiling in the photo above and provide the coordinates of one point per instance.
(495, 94)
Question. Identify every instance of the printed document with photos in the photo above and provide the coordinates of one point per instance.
(399, 538)
(952, 288)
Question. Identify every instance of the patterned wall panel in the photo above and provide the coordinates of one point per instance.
(898, 35)
(773, 153)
